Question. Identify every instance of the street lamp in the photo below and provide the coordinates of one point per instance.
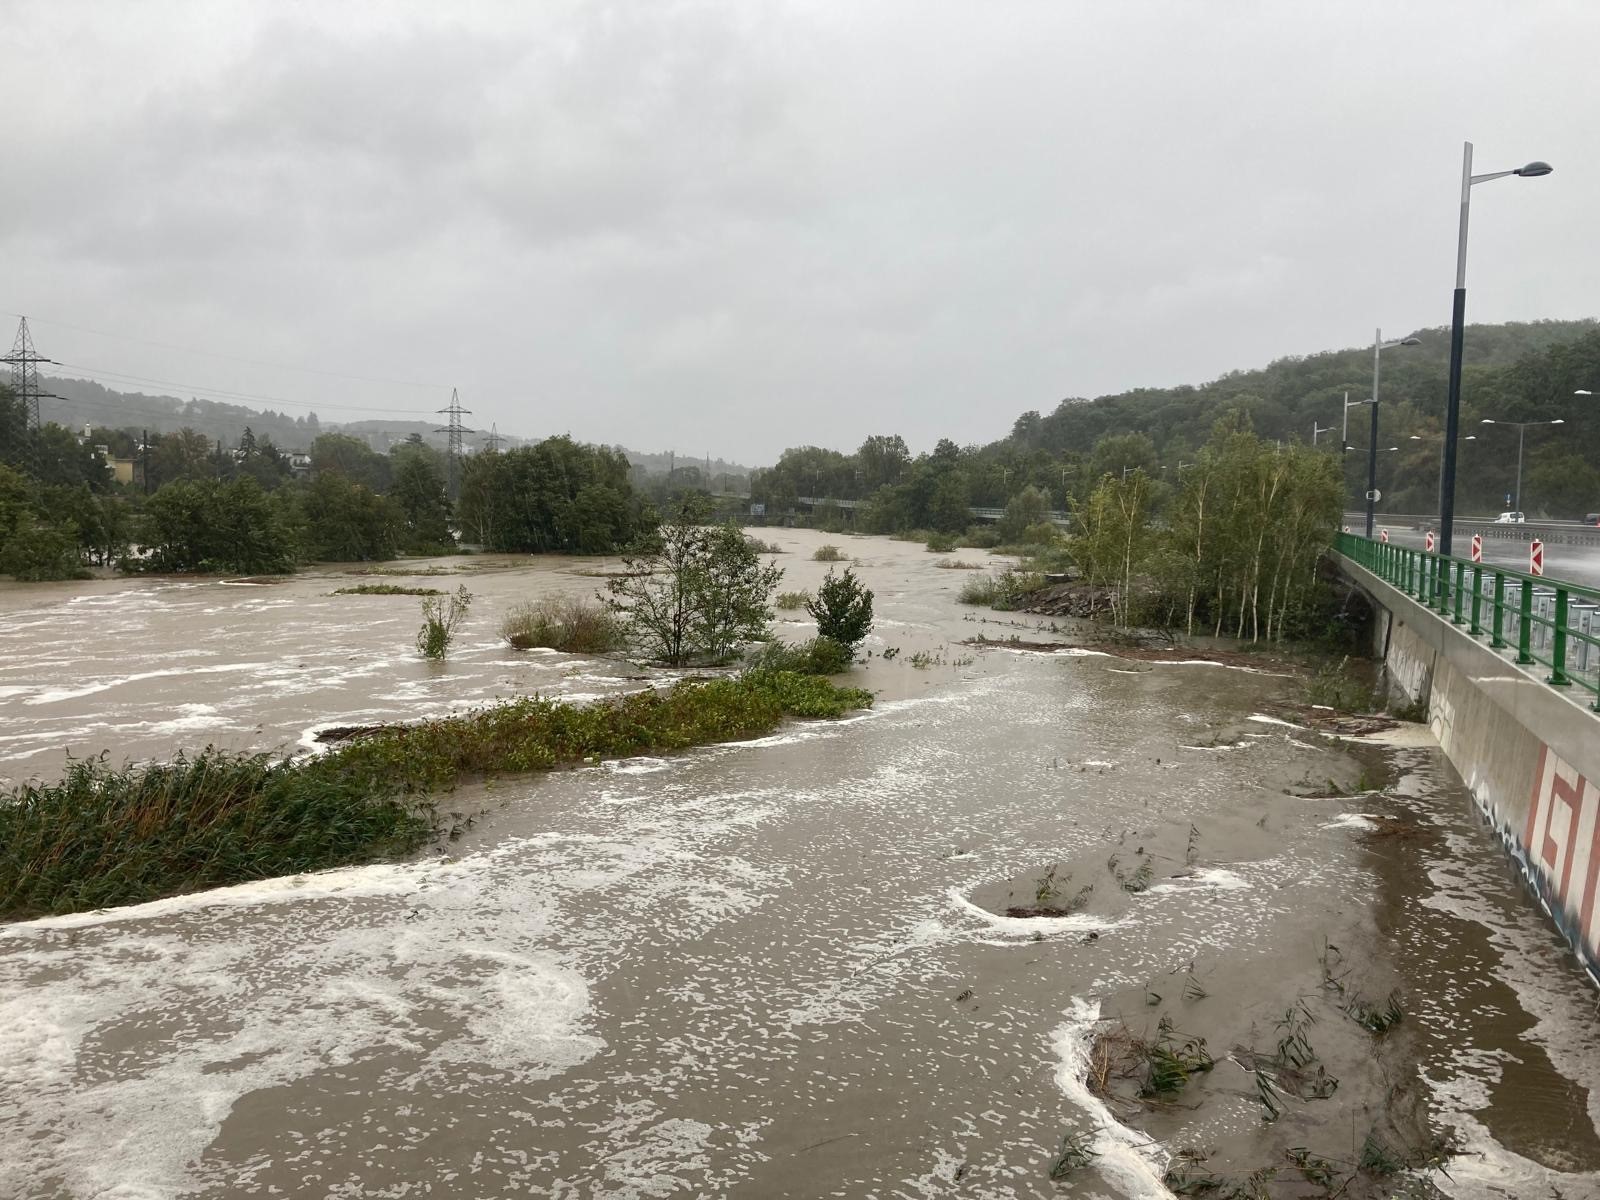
(1316, 432)
(1378, 347)
(1522, 433)
(1458, 317)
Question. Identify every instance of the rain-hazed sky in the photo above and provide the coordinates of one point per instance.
(733, 227)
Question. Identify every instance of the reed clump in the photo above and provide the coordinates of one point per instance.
(571, 624)
(106, 835)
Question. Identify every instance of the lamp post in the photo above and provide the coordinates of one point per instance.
(1458, 316)
(1317, 431)
(1522, 433)
(1378, 347)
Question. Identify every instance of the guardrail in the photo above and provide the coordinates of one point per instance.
(1546, 621)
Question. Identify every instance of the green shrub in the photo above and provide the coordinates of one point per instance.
(1004, 591)
(819, 656)
(761, 547)
(982, 537)
(828, 553)
(792, 600)
(842, 609)
(941, 543)
(571, 624)
(37, 551)
(441, 618)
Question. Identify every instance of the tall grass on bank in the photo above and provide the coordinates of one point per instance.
(104, 836)
(569, 623)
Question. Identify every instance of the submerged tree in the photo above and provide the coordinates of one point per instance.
(842, 609)
(693, 592)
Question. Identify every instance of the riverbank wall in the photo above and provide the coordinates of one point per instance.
(1529, 752)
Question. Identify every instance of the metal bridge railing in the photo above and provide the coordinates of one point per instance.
(1551, 622)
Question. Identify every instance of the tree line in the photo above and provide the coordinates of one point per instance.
(196, 506)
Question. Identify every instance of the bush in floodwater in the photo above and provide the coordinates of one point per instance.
(569, 623)
(940, 543)
(104, 836)
(792, 600)
(828, 553)
(441, 618)
(1004, 591)
(1337, 686)
(819, 656)
(842, 609)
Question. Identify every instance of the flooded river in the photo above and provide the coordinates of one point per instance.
(777, 968)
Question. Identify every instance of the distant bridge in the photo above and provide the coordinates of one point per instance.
(980, 512)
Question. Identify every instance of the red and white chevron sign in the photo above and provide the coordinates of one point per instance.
(1383, 535)
(1477, 547)
(1536, 558)
(1428, 542)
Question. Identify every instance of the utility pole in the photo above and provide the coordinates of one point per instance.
(144, 454)
(25, 387)
(453, 432)
(492, 443)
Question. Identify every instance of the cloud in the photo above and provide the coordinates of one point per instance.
(752, 225)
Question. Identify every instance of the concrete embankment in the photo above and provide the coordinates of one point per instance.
(1529, 752)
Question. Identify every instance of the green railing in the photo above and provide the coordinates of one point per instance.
(1544, 621)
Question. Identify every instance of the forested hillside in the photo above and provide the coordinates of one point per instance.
(1514, 372)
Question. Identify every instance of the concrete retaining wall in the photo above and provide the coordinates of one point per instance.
(1529, 752)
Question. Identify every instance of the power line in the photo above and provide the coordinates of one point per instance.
(255, 362)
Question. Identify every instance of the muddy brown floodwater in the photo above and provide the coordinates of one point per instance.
(783, 967)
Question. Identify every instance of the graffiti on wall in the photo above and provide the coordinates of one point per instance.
(1562, 841)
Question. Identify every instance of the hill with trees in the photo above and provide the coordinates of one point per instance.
(1513, 372)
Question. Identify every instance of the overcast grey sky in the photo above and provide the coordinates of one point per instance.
(735, 227)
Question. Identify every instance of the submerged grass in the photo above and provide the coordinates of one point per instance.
(386, 589)
(105, 836)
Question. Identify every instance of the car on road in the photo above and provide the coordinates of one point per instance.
(1591, 518)
(1510, 518)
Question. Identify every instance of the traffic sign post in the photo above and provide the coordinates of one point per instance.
(1428, 543)
(1536, 557)
(1383, 535)
(1477, 547)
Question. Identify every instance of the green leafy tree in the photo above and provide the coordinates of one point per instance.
(341, 454)
(842, 609)
(344, 521)
(212, 525)
(556, 497)
(38, 550)
(418, 488)
(694, 592)
(1030, 506)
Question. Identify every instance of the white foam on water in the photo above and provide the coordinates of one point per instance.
(1127, 1158)
(54, 695)
(1261, 719)
(1206, 662)
(1483, 1169)
(1026, 928)
(1365, 822)
(1215, 879)
(642, 765)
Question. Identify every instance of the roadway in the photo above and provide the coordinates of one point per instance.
(1579, 564)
